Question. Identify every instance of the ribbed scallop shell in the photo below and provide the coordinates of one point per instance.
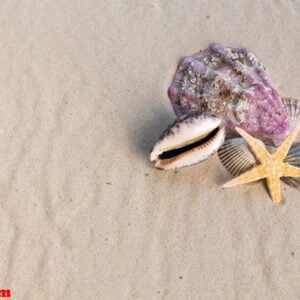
(236, 156)
(292, 107)
(293, 158)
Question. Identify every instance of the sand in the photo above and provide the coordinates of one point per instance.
(84, 214)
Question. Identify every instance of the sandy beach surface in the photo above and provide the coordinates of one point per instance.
(84, 214)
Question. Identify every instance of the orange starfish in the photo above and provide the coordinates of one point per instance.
(271, 165)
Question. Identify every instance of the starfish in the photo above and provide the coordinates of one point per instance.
(271, 165)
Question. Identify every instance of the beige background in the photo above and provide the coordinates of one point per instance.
(83, 213)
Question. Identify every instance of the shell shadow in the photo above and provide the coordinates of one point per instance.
(147, 133)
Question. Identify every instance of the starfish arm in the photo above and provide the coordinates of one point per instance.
(273, 183)
(283, 149)
(259, 151)
(249, 176)
(290, 171)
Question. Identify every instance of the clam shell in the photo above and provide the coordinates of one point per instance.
(236, 156)
(293, 158)
(292, 107)
(189, 140)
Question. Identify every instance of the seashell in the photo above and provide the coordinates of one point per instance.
(237, 158)
(292, 107)
(189, 140)
(293, 158)
(232, 83)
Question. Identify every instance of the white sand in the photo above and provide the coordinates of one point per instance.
(84, 215)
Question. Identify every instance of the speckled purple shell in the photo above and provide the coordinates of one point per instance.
(233, 83)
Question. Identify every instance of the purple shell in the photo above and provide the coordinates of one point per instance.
(233, 83)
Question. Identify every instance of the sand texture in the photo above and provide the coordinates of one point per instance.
(83, 213)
